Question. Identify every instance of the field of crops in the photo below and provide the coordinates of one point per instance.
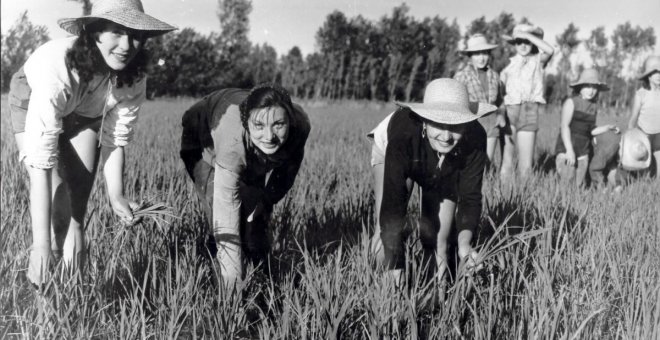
(581, 264)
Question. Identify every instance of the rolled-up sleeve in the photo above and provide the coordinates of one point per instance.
(469, 191)
(120, 120)
(395, 202)
(226, 202)
(43, 122)
(229, 166)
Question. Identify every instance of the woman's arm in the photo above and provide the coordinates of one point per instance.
(565, 130)
(226, 221)
(634, 114)
(546, 49)
(112, 159)
(604, 128)
(40, 205)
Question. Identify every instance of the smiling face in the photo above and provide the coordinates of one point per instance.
(523, 47)
(588, 91)
(118, 45)
(443, 137)
(268, 128)
(479, 59)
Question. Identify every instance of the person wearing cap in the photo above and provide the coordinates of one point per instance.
(75, 99)
(243, 150)
(484, 86)
(439, 145)
(523, 82)
(578, 127)
(645, 113)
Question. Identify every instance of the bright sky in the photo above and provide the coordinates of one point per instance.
(287, 23)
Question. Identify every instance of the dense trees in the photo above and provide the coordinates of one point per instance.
(17, 44)
(386, 59)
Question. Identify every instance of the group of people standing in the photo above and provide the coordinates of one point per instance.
(75, 103)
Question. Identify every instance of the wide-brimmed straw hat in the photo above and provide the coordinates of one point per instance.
(446, 102)
(635, 150)
(651, 65)
(523, 28)
(477, 42)
(590, 76)
(128, 13)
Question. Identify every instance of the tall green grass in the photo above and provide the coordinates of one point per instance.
(559, 263)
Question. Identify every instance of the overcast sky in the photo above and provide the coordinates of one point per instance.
(287, 23)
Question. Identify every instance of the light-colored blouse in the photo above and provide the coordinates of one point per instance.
(57, 92)
(649, 113)
(523, 80)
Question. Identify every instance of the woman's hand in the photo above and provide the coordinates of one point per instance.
(470, 258)
(258, 210)
(614, 128)
(124, 209)
(570, 157)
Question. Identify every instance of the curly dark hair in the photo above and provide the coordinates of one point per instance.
(265, 95)
(85, 57)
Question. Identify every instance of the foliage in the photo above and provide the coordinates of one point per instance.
(391, 58)
(17, 45)
(567, 42)
(184, 63)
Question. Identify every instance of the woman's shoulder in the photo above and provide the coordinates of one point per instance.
(641, 92)
(301, 119)
(462, 73)
(49, 56)
(403, 125)
(52, 50)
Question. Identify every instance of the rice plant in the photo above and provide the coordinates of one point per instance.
(558, 262)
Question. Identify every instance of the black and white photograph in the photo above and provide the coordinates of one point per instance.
(336, 169)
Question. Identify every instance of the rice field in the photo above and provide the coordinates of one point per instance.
(559, 262)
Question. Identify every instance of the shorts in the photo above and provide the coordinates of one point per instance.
(493, 130)
(19, 100)
(654, 139)
(524, 117)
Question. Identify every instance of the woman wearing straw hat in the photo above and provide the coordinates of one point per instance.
(74, 101)
(484, 86)
(243, 150)
(439, 145)
(523, 81)
(578, 127)
(646, 107)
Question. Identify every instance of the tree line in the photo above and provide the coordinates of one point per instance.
(391, 58)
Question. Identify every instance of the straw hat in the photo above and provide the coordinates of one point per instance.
(128, 13)
(523, 28)
(651, 65)
(446, 102)
(477, 42)
(635, 150)
(590, 76)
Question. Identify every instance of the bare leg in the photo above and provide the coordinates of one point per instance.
(506, 170)
(525, 141)
(581, 170)
(491, 142)
(78, 159)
